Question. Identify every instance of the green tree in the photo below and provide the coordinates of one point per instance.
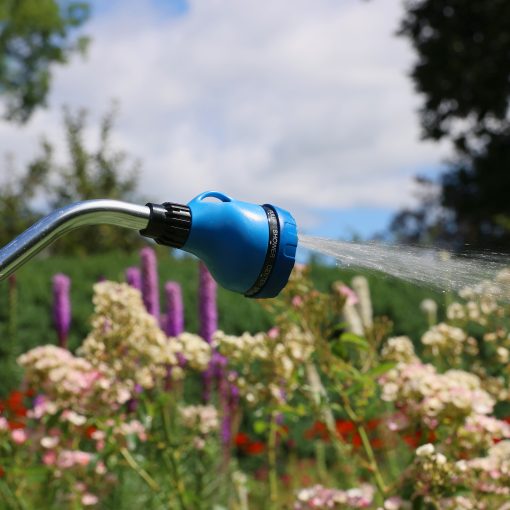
(34, 36)
(89, 173)
(17, 192)
(463, 74)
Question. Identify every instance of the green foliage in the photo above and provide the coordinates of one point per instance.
(463, 66)
(463, 73)
(16, 193)
(34, 36)
(102, 172)
(88, 173)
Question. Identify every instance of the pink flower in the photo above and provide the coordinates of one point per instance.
(82, 458)
(89, 499)
(297, 301)
(19, 436)
(273, 332)
(397, 421)
(352, 297)
(49, 458)
(70, 458)
(100, 468)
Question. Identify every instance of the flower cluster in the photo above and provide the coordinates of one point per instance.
(396, 503)
(204, 419)
(322, 498)
(126, 349)
(201, 421)
(479, 431)
(433, 471)
(279, 354)
(193, 349)
(67, 381)
(443, 339)
(400, 349)
(489, 474)
(126, 342)
(421, 392)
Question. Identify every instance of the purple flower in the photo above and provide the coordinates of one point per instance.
(61, 307)
(229, 397)
(150, 287)
(174, 324)
(208, 317)
(134, 277)
(208, 313)
(214, 373)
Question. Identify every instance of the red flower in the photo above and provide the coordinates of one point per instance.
(373, 424)
(377, 443)
(344, 428)
(317, 431)
(16, 425)
(413, 440)
(15, 404)
(356, 440)
(241, 439)
(89, 431)
(255, 448)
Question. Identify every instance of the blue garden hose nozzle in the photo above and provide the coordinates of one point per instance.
(248, 248)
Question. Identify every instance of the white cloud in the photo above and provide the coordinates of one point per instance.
(297, 102)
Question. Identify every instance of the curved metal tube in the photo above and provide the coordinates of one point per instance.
(61, 221)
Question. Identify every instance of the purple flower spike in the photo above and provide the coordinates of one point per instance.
(174, 324)
(229, 398)
(61, 307)
(208, 313)
(134, 277)
(150, 287)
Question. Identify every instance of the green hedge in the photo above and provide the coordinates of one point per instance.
(396, 299)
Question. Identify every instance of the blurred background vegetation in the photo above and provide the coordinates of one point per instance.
(395, 299)
(461, 71)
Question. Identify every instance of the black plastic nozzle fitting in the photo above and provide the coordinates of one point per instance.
(169, 224)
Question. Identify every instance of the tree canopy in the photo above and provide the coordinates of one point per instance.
(86, 173)
(34, 36)
(462, 72)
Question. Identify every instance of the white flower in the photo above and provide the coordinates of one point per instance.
(49, 442)
(425, 450)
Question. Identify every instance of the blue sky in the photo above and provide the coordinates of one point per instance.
(306, 104)
(163, 7)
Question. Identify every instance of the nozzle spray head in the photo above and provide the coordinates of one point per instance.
(248, 248)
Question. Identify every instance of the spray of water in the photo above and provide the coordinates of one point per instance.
(427, 267)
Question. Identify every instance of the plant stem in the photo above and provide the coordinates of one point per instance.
(9, 495)
(320, 455)
(153, 485)
(178, 482)
(12, 324)
(381, 485)
(321, 402)
(271, 456)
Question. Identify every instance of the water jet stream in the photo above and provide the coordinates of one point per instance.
(424, 266)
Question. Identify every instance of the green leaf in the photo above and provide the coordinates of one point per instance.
(381, 369)
(351, 338)
(260, 426)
